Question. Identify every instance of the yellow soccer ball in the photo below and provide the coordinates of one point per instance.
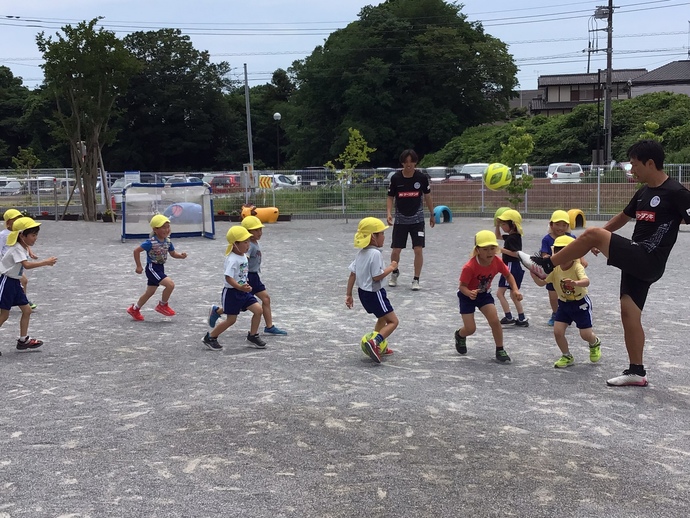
(497, 176)
(382, 346)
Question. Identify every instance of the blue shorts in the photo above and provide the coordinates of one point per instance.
(517, 272)
(155, 273)
(375, 302)
(11, 293)
(578, 311)
(467, 305)
(255, 282)
(235, 301)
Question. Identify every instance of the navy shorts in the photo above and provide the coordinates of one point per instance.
(467, 305)
(517, 272)
(11, 293)
(375, 302)
(255, 282)
(401, 231)
(578, 311)
(235, 301)
(155, 273)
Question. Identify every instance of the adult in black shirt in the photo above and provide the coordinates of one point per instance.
(407, 188)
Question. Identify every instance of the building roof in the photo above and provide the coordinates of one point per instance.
(671, 73)
(618, 76)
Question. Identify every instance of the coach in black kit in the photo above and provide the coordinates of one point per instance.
(407, 188)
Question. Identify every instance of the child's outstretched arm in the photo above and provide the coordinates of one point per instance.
(28, 265)
(137, 260)
(513, 286)
(178, 255)
(387, 271)
(472, 294)
(348, 292)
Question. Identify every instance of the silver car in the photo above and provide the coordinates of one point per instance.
(565, 172)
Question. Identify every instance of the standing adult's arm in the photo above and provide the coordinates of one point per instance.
(430, 206)
(389, 209)
(616, 222)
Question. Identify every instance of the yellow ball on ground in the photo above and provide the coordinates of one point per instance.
(497, 176)
(382, 346)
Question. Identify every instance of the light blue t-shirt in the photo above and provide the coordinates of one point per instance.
(367, 264)
(254, 256)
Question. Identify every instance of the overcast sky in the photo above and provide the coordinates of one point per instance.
(544, 37)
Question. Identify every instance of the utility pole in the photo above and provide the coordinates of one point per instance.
(609, 81)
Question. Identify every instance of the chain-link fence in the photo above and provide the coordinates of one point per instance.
(601, 192)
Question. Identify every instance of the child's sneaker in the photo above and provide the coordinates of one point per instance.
(213, 316)
(32, 305)
(212, 343)
(551, 321)
(372, 350)
(165, 309)
(522, 323)
(502, 356)
(628, 378)
(393, 280)
(539, 266)
(460, 342)
(507, 321)
(387, 351)
(595, 351)
(564, 361)
(29, 343)
(256, 341)
(135, 313)
(415, 285)
(273, 330)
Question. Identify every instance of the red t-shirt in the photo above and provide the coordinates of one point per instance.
(475, 276)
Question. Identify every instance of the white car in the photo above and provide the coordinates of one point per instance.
(565, 172)
(474, 171)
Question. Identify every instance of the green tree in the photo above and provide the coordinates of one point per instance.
(408, 73)
(174, 115)
(85, 69)
(356, 153)
(13, 96)
(25, 161)
(514, 153)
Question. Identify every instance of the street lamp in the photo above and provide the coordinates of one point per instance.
(277, 117)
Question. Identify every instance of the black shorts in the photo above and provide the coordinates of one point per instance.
(639, 268)
(400, 232)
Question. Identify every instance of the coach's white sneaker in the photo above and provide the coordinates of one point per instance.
(628, 378)
(393, 280)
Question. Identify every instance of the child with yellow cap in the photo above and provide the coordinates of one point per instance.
(475, 292)
(157, 249)
(237, 292)
(254, 256)
(16, 259)
(509, 228)
(559, 225)
(10, 216)
(574, 305)
(367, 271)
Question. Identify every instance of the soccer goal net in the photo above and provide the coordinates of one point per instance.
(188, 206)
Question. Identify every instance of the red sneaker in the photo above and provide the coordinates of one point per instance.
(135, 313)
(165, 309)
(387, 351)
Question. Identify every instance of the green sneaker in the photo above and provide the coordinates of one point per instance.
(502, 356)
(595, 351)
(564, 361)
(460, 342)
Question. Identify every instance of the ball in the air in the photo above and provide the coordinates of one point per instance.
(382, 346)
(497, 176)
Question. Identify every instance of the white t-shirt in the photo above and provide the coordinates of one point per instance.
(237, 267)
(11, 263)
(3, 240)
(368, 263)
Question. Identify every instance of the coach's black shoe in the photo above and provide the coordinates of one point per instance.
(539, 266)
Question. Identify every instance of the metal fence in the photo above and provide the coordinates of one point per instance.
(601, 193)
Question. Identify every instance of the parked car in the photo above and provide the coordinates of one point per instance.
(474, 171)
(10, 187)
(225, 183)
(182, 179)
(283, 181)
(456, 174)
(317, 175)
(565, 172)
(438, 174)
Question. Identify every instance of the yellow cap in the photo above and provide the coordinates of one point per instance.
(11, 214)
(252, 223)
(18, 226)
(236, 233)
(562, 241)
(514, 216)
(485, 238)
(158, 221)
(365, 229)
(560, 215)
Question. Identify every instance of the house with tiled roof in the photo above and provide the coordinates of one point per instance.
(673, 77)
(560, 93)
